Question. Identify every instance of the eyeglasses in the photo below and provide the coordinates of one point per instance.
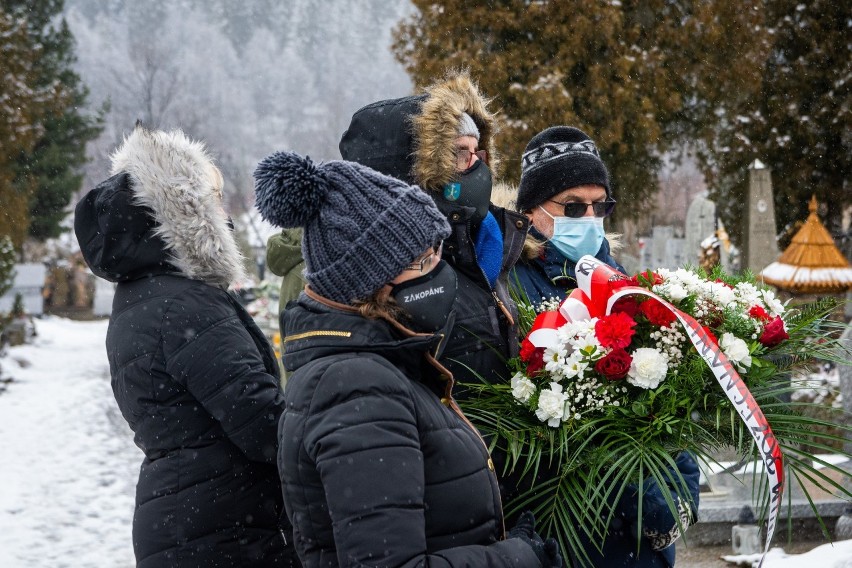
(464, 157)
(577, 209)
(424, 264)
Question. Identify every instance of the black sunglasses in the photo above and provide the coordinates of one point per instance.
(576, 209)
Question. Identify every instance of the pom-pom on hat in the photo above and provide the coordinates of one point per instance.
(556, 159)
(362, 228)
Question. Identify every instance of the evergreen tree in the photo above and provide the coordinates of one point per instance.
(22, 106)
(797, 121)
(635, 75)
(50, 172)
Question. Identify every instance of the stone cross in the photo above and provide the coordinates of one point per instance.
(845, 375)
(760, 244)
(700, 224)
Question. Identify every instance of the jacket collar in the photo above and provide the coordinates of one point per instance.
(317, 327)
(459, 248)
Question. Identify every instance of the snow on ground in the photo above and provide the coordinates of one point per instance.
(68, 465)
(837, 555)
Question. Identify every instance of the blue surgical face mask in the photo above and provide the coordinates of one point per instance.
(575, 238)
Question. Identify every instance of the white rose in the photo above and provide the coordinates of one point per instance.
(551, 405)
(648, 369)
(522, 387)
(736, 350)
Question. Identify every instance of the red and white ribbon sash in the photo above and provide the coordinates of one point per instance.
(594, 297)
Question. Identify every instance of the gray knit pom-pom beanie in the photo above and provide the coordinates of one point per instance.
(361, 228)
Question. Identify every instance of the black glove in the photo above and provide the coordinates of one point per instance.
(546, 551)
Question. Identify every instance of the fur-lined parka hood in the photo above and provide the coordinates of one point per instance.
(413, 138)
(437, 126)
(160, 212)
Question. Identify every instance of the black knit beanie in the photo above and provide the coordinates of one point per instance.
(556, 159)
(362, 228)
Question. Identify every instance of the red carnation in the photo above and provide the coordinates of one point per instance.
(615, 365)
(527, 349)
(615, 330)
(656, 312)
(774, 333)
(648, 276)
(757, 312)
(626, 305)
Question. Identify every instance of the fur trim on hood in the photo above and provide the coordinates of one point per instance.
(437, 126)
(176, 179)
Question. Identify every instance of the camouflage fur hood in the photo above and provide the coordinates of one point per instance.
(412, 138)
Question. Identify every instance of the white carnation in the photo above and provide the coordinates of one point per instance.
(776, 308)
(522, 387)
(648, 369)
(736, 350)
(551, 405)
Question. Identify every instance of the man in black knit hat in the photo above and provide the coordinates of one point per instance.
(565, 192)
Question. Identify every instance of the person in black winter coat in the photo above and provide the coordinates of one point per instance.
(378, 465)
(442, 141)
(194, 377)
(565, 192)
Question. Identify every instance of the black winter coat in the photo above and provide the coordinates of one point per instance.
(196, 381)
(485, 333)
(378, 465)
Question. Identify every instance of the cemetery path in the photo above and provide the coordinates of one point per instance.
(68, 465)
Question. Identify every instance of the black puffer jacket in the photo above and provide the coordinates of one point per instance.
(192, 374)
(413, 139)
(376, 470)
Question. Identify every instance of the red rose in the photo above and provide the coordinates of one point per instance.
(626, 305)
(535, 362)
(758, 313)
(615, 330)
(656, 312)
(527, 349)
(615, 365)
(774, 333)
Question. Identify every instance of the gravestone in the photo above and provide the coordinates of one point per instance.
(845, 374)
(659, 237)
(29, 283)
(104, 293)
(760, 240)
(700, 224)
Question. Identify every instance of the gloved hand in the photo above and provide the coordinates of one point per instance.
(546, 551)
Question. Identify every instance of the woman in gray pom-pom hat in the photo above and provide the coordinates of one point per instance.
(378, 465)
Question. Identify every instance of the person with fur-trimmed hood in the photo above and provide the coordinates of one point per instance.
(442, 140)
(193, 375)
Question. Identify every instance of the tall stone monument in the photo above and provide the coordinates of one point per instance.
(700, 224)
(760, 242)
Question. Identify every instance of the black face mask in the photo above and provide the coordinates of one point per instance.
(428, 299)
(472, 188)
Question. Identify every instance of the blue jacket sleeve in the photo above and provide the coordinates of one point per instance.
(659, 525)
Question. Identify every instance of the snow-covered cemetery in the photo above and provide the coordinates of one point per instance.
(425, 283)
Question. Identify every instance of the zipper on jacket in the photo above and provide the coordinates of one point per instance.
(318, 333)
